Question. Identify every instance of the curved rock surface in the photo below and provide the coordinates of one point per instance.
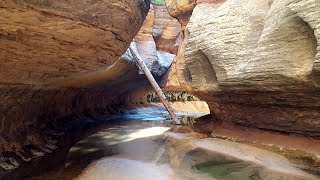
(60, 61)
(181, 10)
(158, 40)
(263, 39)
(61, 38)
(256, 63)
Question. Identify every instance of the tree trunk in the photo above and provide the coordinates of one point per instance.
(155, 85)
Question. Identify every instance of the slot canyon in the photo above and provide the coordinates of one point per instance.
(243, 78)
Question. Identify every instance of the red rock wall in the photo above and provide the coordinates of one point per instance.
(59, 59)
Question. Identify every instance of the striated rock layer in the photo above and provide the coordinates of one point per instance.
(61, 38)
(255, 63)
(60, 59)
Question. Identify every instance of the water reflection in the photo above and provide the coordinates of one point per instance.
(133, 150)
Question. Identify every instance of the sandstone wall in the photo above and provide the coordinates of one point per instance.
(179, 75)
(254, 39)
(60, 59)
(158, 40)
(41, 40)
(255, 63)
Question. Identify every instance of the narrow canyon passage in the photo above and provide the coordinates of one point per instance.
(134, 135)
(243, 79)
(130, 148)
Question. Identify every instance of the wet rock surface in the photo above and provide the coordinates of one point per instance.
(223, 159)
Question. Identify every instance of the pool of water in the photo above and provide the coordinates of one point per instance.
(152, 113)
(137, 148)
(217, 166)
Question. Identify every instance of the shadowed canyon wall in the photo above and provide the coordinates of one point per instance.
(61, 59)
(64, 69)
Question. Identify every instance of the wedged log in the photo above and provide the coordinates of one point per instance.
(155, 85)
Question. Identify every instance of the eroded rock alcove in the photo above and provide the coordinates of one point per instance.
(66, 66)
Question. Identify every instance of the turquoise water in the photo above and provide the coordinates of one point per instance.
(152, 113)
(230, 170)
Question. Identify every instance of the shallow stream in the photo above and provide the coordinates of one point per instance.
(137, 149)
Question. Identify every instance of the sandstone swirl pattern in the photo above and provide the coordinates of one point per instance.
(256, 38)
(256, 63)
